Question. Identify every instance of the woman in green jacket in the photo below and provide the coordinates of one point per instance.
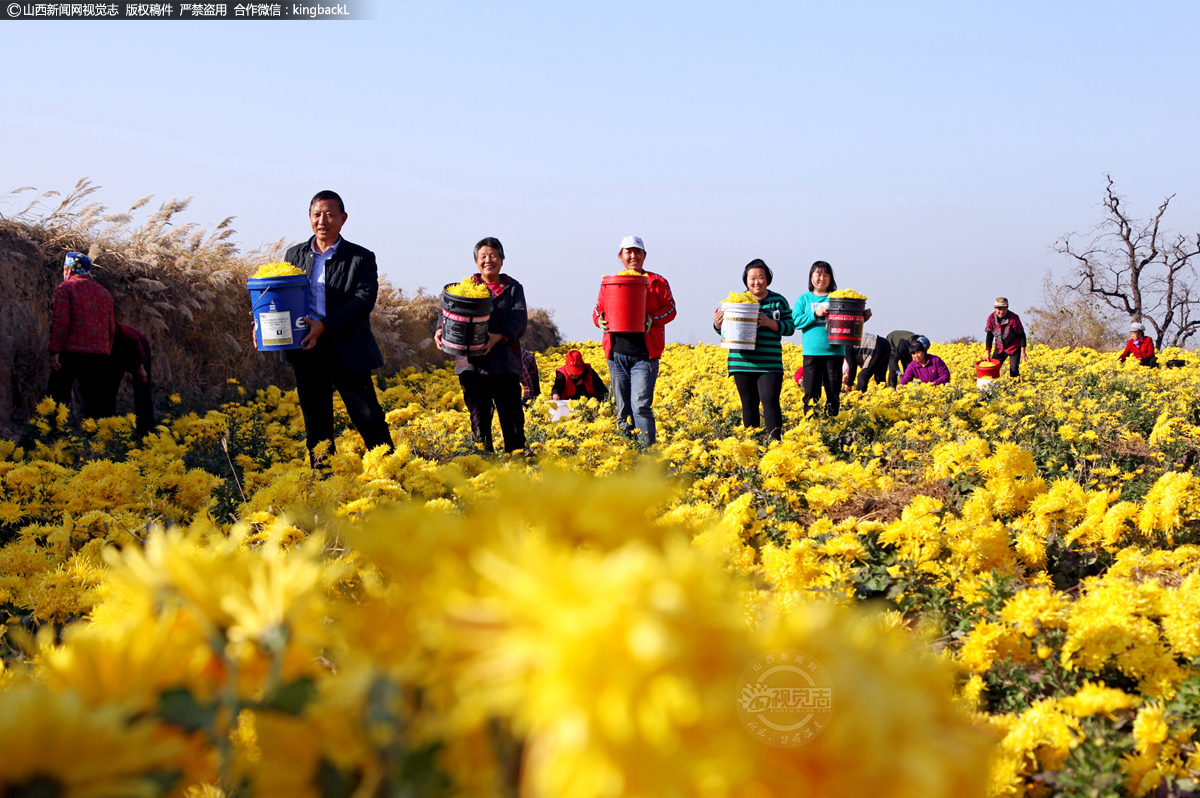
(822, 360)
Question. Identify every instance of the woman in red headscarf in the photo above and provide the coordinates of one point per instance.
(576, 380)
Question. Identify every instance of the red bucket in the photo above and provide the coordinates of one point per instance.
(987, 369)
(624, 298)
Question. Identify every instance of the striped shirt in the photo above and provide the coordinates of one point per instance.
(767, 354)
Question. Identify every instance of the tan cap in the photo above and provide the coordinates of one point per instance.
(1001, 302)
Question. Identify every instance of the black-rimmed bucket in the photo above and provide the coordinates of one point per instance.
(464, 324)
(844, 322)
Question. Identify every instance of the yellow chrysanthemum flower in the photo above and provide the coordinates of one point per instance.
(55, 744)
(1093, 699)
(277, 269)
(469, 289)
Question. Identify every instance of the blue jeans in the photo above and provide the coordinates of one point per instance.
(633, 381)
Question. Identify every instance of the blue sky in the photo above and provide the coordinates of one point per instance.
(932, 152)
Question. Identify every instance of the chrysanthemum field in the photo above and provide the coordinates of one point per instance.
(1003, 587)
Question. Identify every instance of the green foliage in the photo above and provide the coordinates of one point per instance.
(1093, 769)
(179, 707)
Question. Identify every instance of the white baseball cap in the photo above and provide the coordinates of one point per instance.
(633, 242)
(1138, 326)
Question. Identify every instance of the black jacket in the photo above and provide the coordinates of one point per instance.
(351, 285)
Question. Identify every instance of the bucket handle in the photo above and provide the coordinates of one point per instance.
(262, 302)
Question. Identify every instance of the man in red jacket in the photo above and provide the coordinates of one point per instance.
(1139, 346)
(633, 357)
(81, 336)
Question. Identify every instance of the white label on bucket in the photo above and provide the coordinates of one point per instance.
(739, 328)
(276, 328)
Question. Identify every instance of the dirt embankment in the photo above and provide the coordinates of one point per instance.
(27, 289)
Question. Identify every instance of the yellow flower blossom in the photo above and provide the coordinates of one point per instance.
(277, 269)
(469, 289)
(54, 744)
(1093, 698)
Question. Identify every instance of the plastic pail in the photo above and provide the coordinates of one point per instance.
(464, 323)
(987, 368)
(279, 305)
(624, 297)
(739, 328)
(844, 322)
(561, 410)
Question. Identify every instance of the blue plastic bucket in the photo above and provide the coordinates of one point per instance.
(279, 305)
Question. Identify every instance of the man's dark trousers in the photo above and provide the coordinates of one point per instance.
(319, 372)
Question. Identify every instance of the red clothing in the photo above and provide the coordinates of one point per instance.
(1008, 333)
(130, 350)
(82, 319)
(588, 384)
(660, 304)
(1142, 348)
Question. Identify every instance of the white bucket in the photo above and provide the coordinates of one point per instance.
(560, 410)
(739, 329)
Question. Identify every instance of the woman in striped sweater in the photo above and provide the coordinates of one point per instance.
(758, 372)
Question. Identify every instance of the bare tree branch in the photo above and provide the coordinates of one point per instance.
(1134, 268)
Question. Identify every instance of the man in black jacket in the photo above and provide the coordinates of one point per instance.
(339, 350)
(901, 343)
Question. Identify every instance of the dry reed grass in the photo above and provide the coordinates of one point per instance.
(183, 285)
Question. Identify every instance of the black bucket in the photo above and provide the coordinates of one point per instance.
(844, 323)
(464, 324)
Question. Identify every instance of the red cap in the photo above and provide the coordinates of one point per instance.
(574, 363)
